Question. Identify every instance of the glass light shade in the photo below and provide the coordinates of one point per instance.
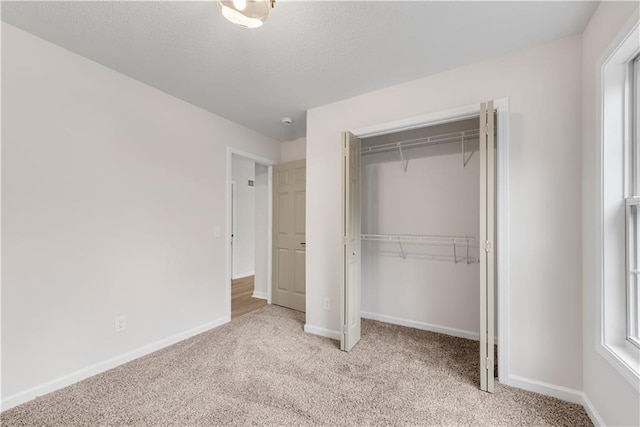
(245, 13)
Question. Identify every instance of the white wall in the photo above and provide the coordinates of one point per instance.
(244, 239)
(616, 401)
(291, 151)
(110, 193)
(262, 231)
(544, 88)
(436, 195)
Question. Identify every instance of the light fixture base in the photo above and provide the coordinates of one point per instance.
(246, 13)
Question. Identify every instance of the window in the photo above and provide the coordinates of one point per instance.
(633, 206)
(633, 296)
(618, 339)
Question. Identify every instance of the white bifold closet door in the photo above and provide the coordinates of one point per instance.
(487, 253)
(351, 242)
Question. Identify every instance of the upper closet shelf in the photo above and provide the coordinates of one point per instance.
(423, 142)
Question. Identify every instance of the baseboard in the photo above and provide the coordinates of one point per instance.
(557, 391)
(79, 375)
(260, 295)
(420, 325)
(596, 419)
(243, 275)
(327, 333)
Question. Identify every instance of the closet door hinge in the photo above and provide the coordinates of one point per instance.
(345, 240)
(487, 363)
(486, 245)
(345, 151)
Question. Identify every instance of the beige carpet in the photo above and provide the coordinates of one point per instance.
(262, 369)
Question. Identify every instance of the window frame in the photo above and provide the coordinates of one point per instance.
(632, 201)
(617, 178)
(633, 269)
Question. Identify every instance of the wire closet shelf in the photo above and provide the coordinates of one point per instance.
(446, 138)
(454, 242)
(421, 142)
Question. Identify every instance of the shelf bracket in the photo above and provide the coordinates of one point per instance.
(465, 160)
(455, 256)
(403, 254)
(404, 162)
(468, 260)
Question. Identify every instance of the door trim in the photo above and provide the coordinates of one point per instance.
(232, 227)
(501, 105)
(228, 270)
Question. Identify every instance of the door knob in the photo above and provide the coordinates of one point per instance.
(303, 243)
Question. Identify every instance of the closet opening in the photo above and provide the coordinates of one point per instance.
(420, 231)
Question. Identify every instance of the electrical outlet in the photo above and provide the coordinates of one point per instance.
(121, 323)
(327, 304)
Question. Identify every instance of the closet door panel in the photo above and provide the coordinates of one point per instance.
(487, 253)
(351, 243)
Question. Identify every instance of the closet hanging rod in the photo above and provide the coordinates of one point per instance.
(424, 141)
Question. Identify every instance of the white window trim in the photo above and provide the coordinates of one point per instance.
(633, 204)
(612, 130)
(633, 275)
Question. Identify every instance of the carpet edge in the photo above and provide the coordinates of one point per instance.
(100, 367)
(559, 392)
(460, 333)
(327, 333)
(595, 417)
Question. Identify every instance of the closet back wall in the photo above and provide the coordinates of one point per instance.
(436, 195)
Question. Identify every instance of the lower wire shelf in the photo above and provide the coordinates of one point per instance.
(465, 243)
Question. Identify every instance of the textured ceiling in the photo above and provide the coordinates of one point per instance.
(309, 53)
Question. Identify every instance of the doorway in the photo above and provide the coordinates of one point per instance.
(486, 241)
(249, 180)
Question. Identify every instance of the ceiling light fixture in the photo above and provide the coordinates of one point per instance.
(246, 13)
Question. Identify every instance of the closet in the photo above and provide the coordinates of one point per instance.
(419, 227)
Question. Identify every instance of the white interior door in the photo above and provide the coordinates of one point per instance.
(351, 242)
(487, 239)
(289, 245)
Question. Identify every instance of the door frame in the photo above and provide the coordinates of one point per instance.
(501, 106)
(232, 227)
(229, 268)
